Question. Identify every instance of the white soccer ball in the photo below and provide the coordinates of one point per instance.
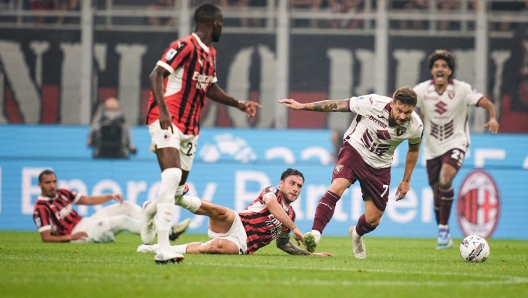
(474, 248)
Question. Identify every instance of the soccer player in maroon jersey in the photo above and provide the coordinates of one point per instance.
(58, 222)
(444, 104)
(182, 78)
(269, 217)
(381, 124)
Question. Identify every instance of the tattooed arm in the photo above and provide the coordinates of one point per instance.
(332, 105)
(286, 245)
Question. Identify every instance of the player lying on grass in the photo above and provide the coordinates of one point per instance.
(58, 222)
(269, 217)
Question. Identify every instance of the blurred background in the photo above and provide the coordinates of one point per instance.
(61, 59)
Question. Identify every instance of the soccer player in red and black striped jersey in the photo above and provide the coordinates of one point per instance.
(269, 217)
(182, 78)
(57, 221)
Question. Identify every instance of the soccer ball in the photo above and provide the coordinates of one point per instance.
(474, 248)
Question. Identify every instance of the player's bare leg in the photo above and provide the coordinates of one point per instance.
(446, 193)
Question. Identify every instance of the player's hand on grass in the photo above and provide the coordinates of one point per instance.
(321, 254)
(250, 107)
(493, 125)
(298, 235)
(291, 103)
(402, 190)
(79, 235)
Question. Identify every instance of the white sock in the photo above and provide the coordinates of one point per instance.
(443, 227)
(164, 225)
(120, 223)
(355, 235)
(170, 179)
(190, 203)
(151, 208)
(317, 235)
(180, 249)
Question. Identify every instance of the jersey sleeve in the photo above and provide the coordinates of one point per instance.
(270, 189)
(71, 195)
(172, 58)
(418, 132)
(472, 96)
(42, 217)
(361, 104)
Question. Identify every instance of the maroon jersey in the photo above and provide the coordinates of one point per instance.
(260, 225)
(192, 68)
(56, 214)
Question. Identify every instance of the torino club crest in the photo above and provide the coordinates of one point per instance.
(478, 205)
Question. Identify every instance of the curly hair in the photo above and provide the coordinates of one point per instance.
(444, 55)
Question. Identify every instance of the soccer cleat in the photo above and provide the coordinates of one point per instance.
(358, 246)
(148, 226)
(146, 249)
(179, 229)
(444, 239)
(310, 241)
(168, 256)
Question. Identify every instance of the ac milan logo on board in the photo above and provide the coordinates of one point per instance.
(338, 169)
(478, 204)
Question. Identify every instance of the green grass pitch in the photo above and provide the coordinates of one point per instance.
(394, 267)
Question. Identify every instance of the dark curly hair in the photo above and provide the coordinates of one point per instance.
(206, 14)
(444, 55)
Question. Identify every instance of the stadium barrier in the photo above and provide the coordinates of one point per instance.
(232, 166)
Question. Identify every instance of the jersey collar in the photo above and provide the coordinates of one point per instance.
(206, 48)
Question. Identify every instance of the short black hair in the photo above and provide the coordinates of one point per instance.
(291, 172)
(45, 172)
(444, 55)
(206, 14)
(406, 96)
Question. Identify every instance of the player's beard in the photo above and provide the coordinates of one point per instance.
(216, 36)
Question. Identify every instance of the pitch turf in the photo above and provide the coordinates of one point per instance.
(393, 268)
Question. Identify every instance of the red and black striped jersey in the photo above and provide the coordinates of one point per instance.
(57, 214)
(192, 68)
(261, 226)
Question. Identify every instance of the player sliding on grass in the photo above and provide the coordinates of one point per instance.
(380, 126)
(269, 217)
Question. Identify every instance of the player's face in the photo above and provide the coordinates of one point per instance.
(440, 72)
(291, 188)
(401, 113)
(48, 185)
(217, 28)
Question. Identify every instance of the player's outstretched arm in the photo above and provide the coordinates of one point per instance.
(287, 246)
(492, 123)
(96, 200)
(410, 162)
(217, 94)
(331, 105)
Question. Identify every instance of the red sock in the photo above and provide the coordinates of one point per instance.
(363, 227)
(325, 211)
(446, 200)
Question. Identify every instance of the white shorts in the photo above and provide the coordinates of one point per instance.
(186, 144)
(236, 234)
(97, 227)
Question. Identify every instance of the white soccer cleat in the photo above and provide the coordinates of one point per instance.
(358, 246)
(148, 226)
(179, 229)
(147, 249)
(168, 256)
